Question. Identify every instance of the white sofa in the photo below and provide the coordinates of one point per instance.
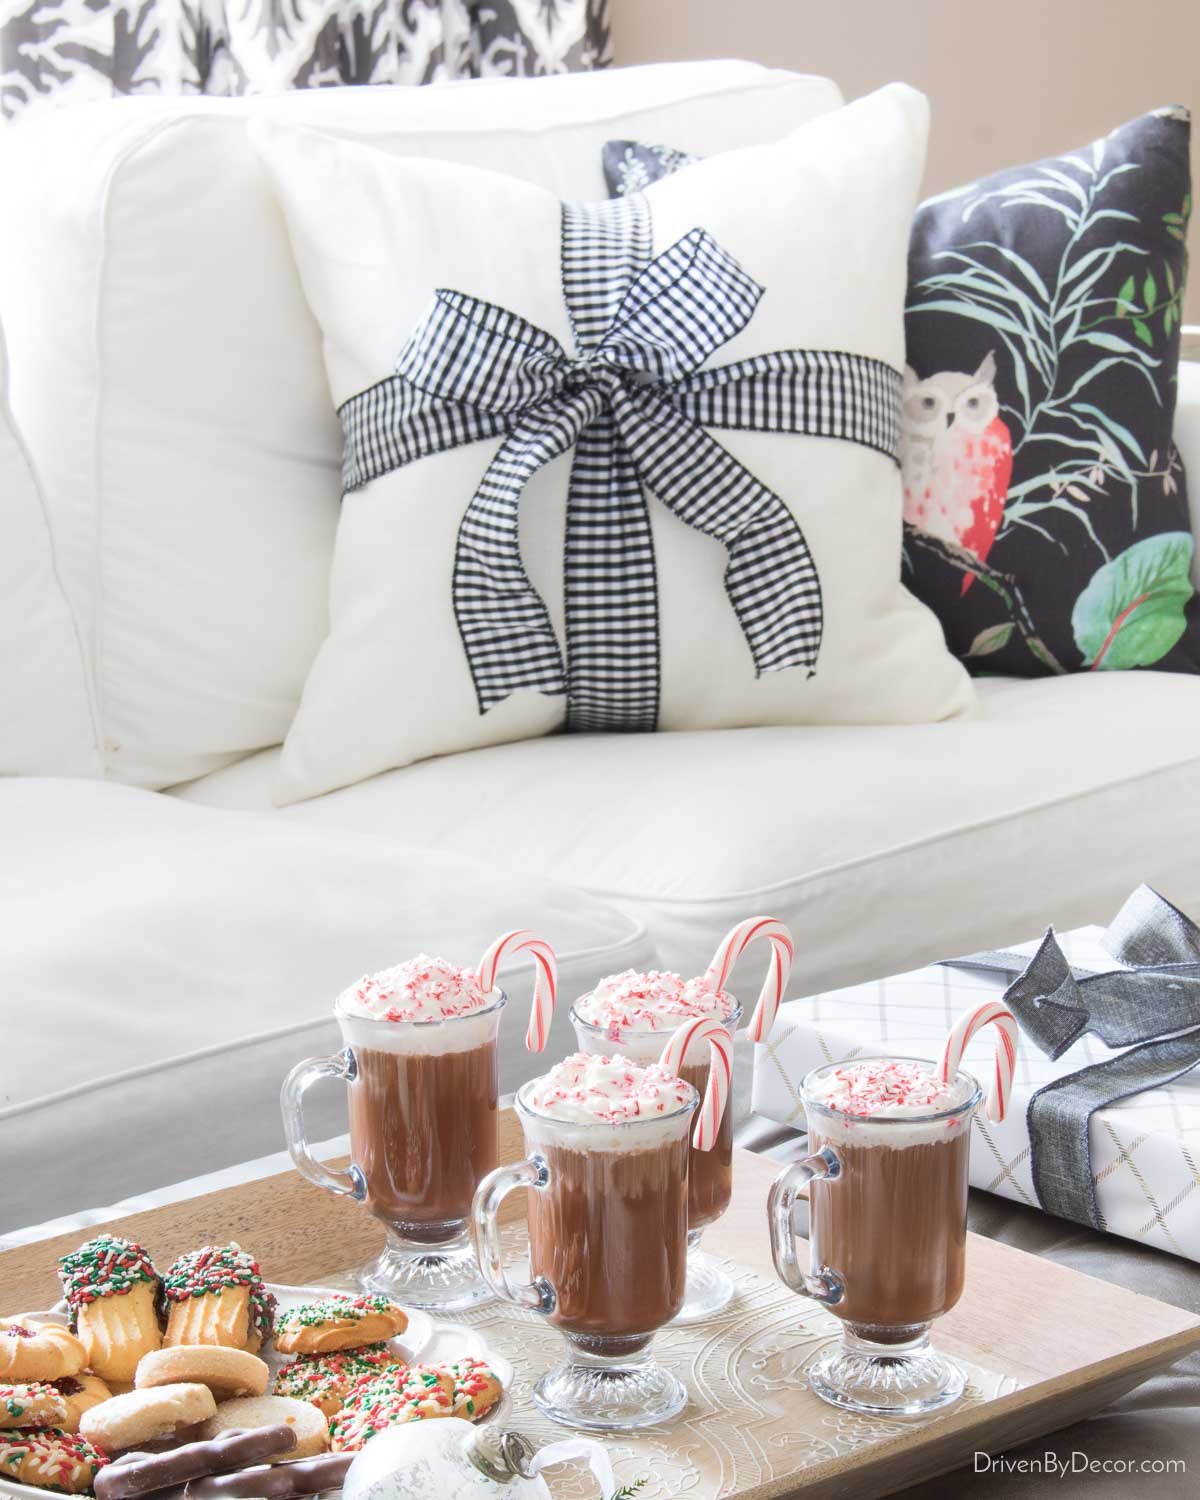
(171, 941)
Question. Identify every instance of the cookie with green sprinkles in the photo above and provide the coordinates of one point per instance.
(106, 1266)
(215, 1295)
(477, 1387)
(324, 1379)
(390, 1399)
(34, 1405)
(49, 1459)
(338, 1322)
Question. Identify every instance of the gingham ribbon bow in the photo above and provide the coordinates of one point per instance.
(634, 402)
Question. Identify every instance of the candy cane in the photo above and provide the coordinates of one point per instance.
(733, 945)
(545, 985)
(720, 1073)
(991, 1012)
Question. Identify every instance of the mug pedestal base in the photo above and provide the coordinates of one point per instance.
(709, 1291)
(901, 1379)
(618, 1393)
(438, 1278)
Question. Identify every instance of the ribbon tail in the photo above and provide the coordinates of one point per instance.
(504, 624)
(771, 579)
(611, 589)
(1059, 1119)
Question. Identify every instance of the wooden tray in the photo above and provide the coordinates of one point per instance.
(1072, 1343)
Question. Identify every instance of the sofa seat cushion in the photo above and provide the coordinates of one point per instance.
(165, 965)
(884, 847)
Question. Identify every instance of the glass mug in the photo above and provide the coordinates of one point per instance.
(607, 1207)
(422, 1098)
(887, 1216)
(710, 1173)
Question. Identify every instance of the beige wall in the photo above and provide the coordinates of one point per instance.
(1008, 82)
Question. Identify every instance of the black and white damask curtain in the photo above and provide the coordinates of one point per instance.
(55, 50)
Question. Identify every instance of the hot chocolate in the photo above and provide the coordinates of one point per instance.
(606, 1180)
(423, 1132)
(902, 1183)
(632, 1014)
(423, 1095)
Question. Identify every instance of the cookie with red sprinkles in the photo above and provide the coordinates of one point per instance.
(49, 1459)
(324, 1379)
(198, 1280)
(338, 1322)
(36, 1405)
(390, 1399)
(477, 1387)
(106, 1266)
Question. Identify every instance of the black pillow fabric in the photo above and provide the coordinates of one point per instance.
(1046, 518)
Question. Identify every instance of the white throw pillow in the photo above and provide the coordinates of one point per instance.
(449, 628)
(168, 374)
(45, 716)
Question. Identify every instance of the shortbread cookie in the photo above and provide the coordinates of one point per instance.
(125, 1421)
(50, 1459)
(80, 1393)
(477, 1387)
(226, 1372)
(38, 1405)
(136, 1474)
(249, 1412)
(111, 1288)
(337, 1322)
(390, 1399)
(324, 1379)
(216, 1296)
(31, 1352)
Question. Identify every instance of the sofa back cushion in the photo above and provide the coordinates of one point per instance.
(171, 379)
(45, 717)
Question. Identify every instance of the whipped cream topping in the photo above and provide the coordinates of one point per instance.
(607, 1090)
(654, 1001)
(886, 1089)
(421, 989)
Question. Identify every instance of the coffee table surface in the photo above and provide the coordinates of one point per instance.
(1071, 1342)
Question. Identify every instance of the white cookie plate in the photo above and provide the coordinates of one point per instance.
(422, 1341)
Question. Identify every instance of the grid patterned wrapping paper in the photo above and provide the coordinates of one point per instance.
(1145, 1150)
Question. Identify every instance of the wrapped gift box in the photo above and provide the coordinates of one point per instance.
(1145, 1150)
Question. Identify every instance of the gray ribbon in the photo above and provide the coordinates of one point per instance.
(1151, 1008)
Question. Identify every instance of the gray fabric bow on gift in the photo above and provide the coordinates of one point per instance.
(1151, 1008)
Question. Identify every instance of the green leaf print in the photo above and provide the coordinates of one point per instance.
(994, 638)
(1131, 613)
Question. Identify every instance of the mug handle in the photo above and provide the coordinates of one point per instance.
(346, 1181)
(827, 1285)
(537, 1294)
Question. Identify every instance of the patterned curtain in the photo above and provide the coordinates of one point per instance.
(57, 50)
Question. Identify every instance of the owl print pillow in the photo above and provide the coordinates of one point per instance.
(1046, 519)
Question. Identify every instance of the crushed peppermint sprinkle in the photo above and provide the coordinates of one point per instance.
(213, 1268)
(347, 1309)
(886, 1087)
(104, 1267)
(421, 989)
(656, 1000)
(611, 1090)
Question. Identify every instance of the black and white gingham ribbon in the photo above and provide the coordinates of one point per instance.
(634, 403)
(1151, 1009)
